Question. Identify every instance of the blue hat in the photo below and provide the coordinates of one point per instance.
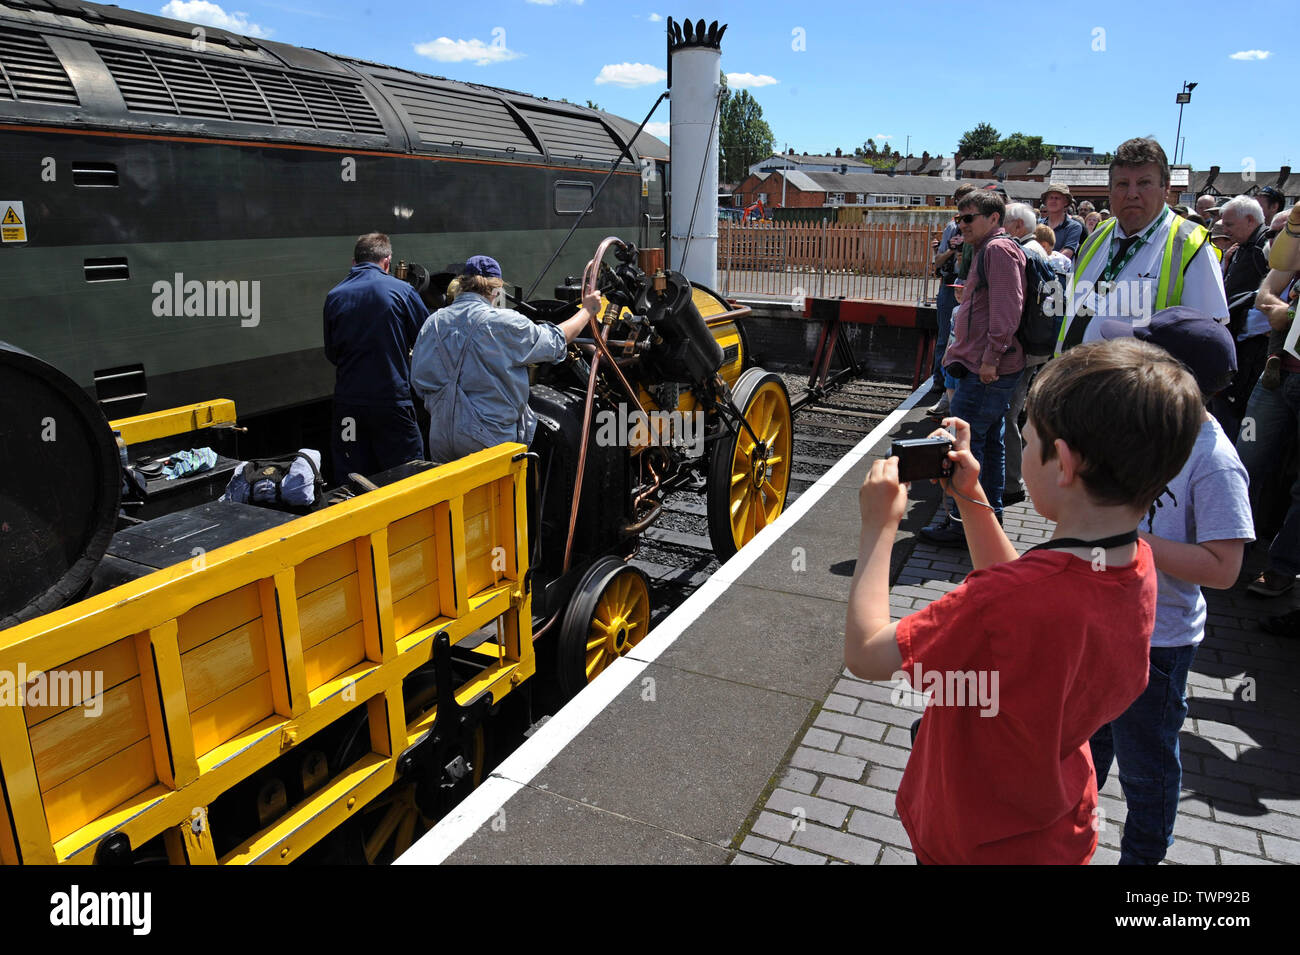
(1198, 341)
(484, 266)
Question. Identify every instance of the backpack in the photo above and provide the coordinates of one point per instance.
(292, 483)
(1044, 306)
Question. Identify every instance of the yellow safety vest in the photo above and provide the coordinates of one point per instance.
(1185, 239)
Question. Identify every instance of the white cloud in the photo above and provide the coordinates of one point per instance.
(655, 18)
(742, 81)
(1251, 55)
(473, 51)
(630, 74)
(881, 137)
(209, 14)
(657, 129)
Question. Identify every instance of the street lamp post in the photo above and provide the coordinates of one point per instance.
(1182, 99)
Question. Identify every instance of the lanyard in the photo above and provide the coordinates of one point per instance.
(1116, 540)
(1115, 264)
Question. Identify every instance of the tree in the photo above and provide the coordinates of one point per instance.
(978, 143)
(743, 136)
(591, 105)
(1020, 146)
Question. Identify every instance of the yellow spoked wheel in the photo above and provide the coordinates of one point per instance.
(394, 821)
(748, 478)
(608, 615)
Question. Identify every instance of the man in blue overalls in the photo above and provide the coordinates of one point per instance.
(371, 323)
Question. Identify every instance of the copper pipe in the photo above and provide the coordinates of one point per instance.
(582, 461)
(645, 522)
(636, 501)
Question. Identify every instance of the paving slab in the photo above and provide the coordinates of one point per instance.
(538, 827)
(692, 760)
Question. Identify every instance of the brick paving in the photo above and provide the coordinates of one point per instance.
(833, 800)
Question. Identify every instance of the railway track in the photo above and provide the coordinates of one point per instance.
(675, 553)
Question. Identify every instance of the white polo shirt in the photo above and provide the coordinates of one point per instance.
(1132, 294)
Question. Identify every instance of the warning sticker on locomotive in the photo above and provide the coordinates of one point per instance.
(13, 227)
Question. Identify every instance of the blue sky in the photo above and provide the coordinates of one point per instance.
(838, 72)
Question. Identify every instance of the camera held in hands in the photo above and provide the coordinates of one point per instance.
(922, 458)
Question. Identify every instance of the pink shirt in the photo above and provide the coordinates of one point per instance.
(988, 319)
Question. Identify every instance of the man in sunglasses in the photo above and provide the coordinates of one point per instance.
(986, 359)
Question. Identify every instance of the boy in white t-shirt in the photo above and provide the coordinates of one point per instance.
(1198, 530)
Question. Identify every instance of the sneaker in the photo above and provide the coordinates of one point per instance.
(946, 530)
(1013, 497)
(1272, 376)
(940, 408)
(1272, 583)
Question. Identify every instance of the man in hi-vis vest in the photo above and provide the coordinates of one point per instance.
(1145, 259)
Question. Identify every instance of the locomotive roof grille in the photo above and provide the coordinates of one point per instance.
(444, 117)
(158, 81)
(31, 73)
(573, 137)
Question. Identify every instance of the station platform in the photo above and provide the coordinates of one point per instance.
(733, 735)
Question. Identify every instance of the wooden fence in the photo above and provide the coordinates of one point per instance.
(865, 260)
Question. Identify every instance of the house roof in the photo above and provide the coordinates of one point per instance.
(976, 165)
(911, 164)
(881, 184)
(799, 157)
(1236, 183)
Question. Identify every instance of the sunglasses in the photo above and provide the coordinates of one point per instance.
(970, 217)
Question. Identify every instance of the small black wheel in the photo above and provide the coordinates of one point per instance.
(748, 479)
(608, 615)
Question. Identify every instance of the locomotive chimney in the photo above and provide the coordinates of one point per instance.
(694, 56)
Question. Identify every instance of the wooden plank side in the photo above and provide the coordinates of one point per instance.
(410, 530)
(413, 567)
(90, 794)
(219, 615)
(222, 664)
(324, 612)
(224, 718)
(75, 740)
(333, 656)
(323, 569)
(417, 610)
(114, 663)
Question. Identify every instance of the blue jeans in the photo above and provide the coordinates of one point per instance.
(945, 302)
(984, 407)
(1144, 740)
(1270, 423)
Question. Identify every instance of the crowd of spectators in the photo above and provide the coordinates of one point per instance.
(1214, 287)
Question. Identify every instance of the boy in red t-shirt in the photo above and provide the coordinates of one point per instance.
(1030, 655)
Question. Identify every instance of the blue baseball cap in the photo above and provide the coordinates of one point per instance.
(1194, 338)
(483, 265)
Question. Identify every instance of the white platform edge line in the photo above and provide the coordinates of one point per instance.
(528, 760)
